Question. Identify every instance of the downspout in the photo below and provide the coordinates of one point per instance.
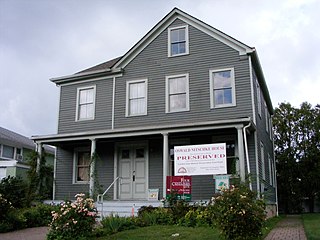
(113, 102)
(247, 153)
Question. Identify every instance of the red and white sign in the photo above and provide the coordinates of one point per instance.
(180, 185)
(205, 159)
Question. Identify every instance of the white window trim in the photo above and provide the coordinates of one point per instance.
(263, 164)
(75, 165)
(270, 170)
(212, 103)
(266, 112)
(187, 40)
(259, 102)
(186, 75)
(94, 103)
(127, 97)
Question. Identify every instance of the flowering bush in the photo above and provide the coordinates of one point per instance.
(73, 220)
(238, 213)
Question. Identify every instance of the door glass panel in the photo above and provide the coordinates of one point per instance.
(125, 154)
(140, 153)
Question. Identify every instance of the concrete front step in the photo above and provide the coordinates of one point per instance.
(123, 208)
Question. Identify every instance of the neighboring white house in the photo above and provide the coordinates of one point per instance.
(14, 149)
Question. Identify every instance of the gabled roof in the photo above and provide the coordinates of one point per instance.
(14, 139)
(166, 21)
(116, 65)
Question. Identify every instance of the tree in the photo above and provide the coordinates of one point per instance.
(297, 151)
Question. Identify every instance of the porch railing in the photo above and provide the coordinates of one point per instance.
(101, 196)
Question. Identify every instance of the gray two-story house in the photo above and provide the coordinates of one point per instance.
(183, 83)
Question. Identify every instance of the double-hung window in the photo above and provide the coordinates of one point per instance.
(86, 103)
(222, 88)
(178, 41)
(177, 93)
(82, 166)
(136, 98)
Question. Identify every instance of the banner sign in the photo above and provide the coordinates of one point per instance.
(181, 186)
(206, 159)
(222, 182)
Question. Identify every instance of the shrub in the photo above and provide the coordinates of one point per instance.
(155, 215)
(113, 224)
(238, 213)
(73, 220)
(15, 191)
(40, 215)
(197, 217)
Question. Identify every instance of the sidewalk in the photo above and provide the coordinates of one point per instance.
(38, 233)
(290, 227)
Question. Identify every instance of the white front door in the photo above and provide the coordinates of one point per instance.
(133, 171)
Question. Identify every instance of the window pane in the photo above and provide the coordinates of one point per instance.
(83, 166)
(182, 34)
(140, 153)
(174, 35)
(89, 95)
(8, 151)
(125, 154)
(137, 90)
(83, 96)
(137, 106)
(178, 35)
(222, 79)
(177, 85)
(227, 96)
(218, 97)
(83, 174)
(178, 102)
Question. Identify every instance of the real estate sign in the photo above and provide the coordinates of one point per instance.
(205, 159)
(180, 186)
(221, 182)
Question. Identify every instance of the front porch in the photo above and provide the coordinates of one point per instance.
(142, 159)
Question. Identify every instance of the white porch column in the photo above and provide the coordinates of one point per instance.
(39, 151)
(165, 161)
(92, 167)
(241, 154)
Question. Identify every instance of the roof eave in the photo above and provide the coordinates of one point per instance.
(80, 76)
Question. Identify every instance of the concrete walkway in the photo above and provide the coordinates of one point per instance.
(289, 228)
(38, 233)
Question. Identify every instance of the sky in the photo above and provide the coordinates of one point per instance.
(44, 39)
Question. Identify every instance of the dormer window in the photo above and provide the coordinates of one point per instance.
(178, 41)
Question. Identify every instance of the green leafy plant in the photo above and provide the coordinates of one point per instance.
(73, 220)
(15, 191)
(238, 213)
(113, 224)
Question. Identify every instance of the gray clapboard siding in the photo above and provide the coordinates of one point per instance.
(64, 173)
(153, 63)
(103, 107)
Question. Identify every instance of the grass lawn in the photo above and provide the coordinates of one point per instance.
(161, 232)
(311, 222)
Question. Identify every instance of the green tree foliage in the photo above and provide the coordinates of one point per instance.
(40, 185)
(297, 149)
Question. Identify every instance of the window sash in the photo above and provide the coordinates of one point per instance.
(8, 152)
(86, 103)
(222, 88)
(177, 93)
(136, 98)
(178, 41)
(83, 166)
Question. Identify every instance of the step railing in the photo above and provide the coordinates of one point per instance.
(101, 196)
